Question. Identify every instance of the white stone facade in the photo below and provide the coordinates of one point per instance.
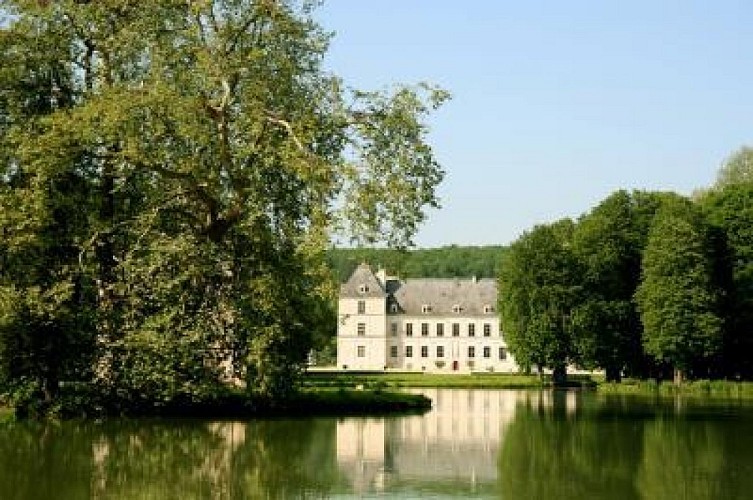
(427, 325)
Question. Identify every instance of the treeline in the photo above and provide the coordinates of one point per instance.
(446, 262)
(646, 284)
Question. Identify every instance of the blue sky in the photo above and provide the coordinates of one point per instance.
(557, 104)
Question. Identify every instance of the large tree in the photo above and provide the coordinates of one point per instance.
(539, 284)
(609, 242)
(678, 299)
(729, 211)
(210, 156)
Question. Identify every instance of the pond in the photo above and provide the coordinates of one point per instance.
(472, 444)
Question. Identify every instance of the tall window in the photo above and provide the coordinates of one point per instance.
(424, 351)
(502, 353)
(456, 329)
(409, 351)
(393, 351)
(424, 329)
(487, 352)
(471, 352)
(393, 329)
(440, 329)
(361, 329)
(361, 351)
(471, 330)
(409, 329)
(487, 330)
(361, 307)
(440, 351)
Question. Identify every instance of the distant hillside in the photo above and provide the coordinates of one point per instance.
(445, 262)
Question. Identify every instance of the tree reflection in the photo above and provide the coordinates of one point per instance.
(682, 459)
(549, 452)
(168, 460)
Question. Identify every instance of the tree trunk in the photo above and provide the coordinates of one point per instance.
(613, 374)
(559, 375)
(679, 376)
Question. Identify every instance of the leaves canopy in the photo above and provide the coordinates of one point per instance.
(177, 168)
(677, 298)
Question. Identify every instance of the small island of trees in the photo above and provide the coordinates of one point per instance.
(171, 173)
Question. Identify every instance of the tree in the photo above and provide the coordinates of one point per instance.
(213, 156)
(609, 242)
(677, 297)
(738, 168)
(538, 287)
(729, 212)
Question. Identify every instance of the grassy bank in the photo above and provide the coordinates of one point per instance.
(231, 404)
(700, 388)
(397, 380)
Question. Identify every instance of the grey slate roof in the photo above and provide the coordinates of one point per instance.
(442, 294)
(362, 275)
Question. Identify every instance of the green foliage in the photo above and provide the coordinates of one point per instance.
(677, 298)
(539, 286)
(170, 175)
(729, 211)
(445, 262)
(609, 242)
(736, 169)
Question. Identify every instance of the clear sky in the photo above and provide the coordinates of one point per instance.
(556, 104)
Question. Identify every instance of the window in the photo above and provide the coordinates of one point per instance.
(393, 329)
(393, 351)
(393, 308)
(471, 330)
(361, 307)
(424, 329)
(487, 352)
(440, 351)
(471, 352)
(424, 351)
(456, 308)
(409, 351)
(426, 308)
(409, 329)
(361, 351)
(502, 353)
(487, 330)
(488, 309)
(361, 329)
(440, 329)
(363, 288)
(456, 329)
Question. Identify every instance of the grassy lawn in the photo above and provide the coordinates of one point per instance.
(479, 381)
(701, 388)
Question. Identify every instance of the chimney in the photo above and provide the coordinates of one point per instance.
(381, 276)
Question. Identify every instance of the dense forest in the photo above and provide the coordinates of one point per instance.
(646, 284)
(446, 262)
(171, 174)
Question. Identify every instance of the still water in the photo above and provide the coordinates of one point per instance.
(472, 444)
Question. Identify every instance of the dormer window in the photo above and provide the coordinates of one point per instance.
(456, 309)
(426, 308)
(488, 309)
(393, 308)
(364, 288)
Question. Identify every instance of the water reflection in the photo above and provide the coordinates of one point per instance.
(455, 447)
(474, 443)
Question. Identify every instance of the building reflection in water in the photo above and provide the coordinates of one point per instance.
(457, 442)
